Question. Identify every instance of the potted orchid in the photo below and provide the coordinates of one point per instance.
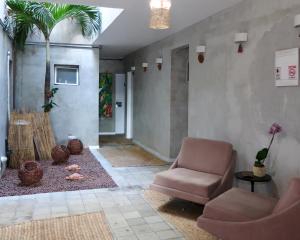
(259, 169)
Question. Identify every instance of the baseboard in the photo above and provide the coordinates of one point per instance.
(94, 147)
(107, 133)
(155, 153)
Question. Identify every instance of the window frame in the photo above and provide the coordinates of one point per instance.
(64, 66)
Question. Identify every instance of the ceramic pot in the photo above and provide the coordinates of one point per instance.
(259, 171)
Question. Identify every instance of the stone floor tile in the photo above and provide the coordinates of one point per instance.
(147, 236)
(168, 234)
(135, 221)
(123, 231)
(153, 219)
(128, 237)
(141, 229)
(159, 226)
(129, 215)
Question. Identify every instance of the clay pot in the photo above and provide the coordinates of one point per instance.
(30, 173)
(60, 154)
(259, 171)
(75, 146)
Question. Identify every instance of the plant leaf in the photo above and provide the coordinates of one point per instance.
(262, 154)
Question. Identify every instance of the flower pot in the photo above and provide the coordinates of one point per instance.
(30, 173)
(60, 154)
(259, 171)
(75, 146)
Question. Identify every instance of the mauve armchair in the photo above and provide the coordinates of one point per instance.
(239, 214)
(203, 170)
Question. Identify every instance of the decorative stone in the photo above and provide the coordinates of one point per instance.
(30, 173)
(75, 146)
(60, 154)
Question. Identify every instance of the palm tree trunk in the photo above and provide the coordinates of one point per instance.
(47, 75)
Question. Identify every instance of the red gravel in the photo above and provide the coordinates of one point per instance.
(54, 177)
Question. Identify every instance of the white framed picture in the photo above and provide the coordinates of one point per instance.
(287, 67)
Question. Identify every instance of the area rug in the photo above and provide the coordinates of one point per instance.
(130, 156)
(181, 214)
(54, 177)
(82, 227)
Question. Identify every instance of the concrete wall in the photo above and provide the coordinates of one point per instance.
(5, 46)
(232, 96)
(111, 66)
(77, 111)
(179, 99)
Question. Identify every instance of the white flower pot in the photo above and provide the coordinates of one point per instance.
(259, 171)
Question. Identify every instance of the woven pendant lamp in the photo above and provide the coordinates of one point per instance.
(160, 14)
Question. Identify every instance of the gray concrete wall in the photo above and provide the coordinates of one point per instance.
(232, 96)
(77, 111)
(5, 46)
(179, 99)
(114, 67)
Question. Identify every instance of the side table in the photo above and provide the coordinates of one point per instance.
(249, 177)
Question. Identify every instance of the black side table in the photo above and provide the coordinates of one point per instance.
(249, 177)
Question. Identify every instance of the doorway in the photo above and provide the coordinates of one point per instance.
(179, 98)
(114, 110)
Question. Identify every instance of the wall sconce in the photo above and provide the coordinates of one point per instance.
(132, 69)
(297, 22)
(201, 50)
(145, 66)
(241, 38)
(159, 62)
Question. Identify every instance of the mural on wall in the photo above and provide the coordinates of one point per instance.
(105, 95)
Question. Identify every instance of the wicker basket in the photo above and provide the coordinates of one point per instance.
(75, 146)
(60, 154)
(30, 173)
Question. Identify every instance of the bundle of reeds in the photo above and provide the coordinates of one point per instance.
(20, 139)
(43, 135)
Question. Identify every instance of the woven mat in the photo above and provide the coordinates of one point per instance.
(130, 156)
(181, 214)
(81, 227)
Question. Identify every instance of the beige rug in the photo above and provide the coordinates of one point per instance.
(181, 214)
(130, 156)
(82, 227)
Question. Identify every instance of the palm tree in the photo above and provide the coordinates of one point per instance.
(24, 17)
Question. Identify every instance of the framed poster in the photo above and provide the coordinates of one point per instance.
(287, 67)
(106, 95)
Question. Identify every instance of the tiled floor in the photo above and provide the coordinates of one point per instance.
(128, 214)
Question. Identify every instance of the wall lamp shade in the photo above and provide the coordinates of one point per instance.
(159, 62)
(145, 66)
(241, 38)
(297, 21)
(160, 14)
(132, 69)
(201, 50)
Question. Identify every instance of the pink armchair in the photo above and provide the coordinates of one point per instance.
(238, 214)
(203, 170)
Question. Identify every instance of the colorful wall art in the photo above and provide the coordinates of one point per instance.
(106, 95)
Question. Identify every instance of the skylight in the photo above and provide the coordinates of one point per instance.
(109, 15)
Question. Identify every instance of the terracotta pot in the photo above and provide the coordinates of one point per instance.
(30, 173)
(75, 146)
(259, 171)
(60, 154)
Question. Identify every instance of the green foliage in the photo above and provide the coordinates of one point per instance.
(25, 17)
(261, 157)
(51, 104)
(106, 89)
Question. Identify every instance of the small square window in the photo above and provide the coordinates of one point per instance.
(66, 75)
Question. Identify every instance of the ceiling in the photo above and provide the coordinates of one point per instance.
(130, 30)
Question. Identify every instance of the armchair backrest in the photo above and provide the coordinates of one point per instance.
(291, 196)
(205, 155)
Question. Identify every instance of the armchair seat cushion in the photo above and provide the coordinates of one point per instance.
(189, 181)
(239, 205)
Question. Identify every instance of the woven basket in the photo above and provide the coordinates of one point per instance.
(60, 154)
(75, 146)
(30, 173)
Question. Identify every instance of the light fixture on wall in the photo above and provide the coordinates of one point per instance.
(297, 23)
(159, 62)
(160, 14)
(145, 66)
(201, 50)
(132, 69)
(241, 38)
